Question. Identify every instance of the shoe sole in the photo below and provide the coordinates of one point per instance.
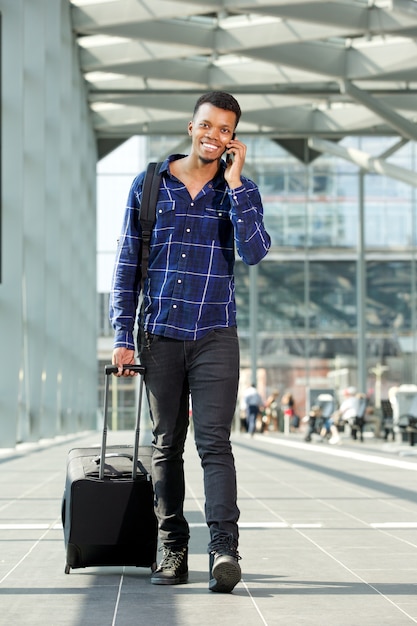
(170, 581)
(226, 575)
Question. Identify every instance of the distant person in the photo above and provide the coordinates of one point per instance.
(349, 407)
(243, 415)
(290, 416)
(321, 419)
(352, 411)
(253, 407)
(330, 428)
(272, 410)
(312, 420)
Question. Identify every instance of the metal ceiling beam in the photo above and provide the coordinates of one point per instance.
(402, 125)
(282, 58)
(406, 6)
(225, 36)
(393, 149)
(110, 57)
(356, 19)
(365, 161)
(331, 89)
(181, 32)
(230, 38)
(334, 59)
(89, 17)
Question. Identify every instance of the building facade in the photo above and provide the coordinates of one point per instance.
(307, 333)
(48, 292)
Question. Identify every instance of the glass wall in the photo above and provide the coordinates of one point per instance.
(307, 285)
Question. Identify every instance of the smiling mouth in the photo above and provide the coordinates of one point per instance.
(209, 146)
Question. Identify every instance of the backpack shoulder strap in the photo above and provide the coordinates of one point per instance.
(147, 218)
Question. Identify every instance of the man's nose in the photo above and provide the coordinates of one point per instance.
(213, 133)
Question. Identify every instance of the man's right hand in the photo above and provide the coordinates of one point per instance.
(124, 356)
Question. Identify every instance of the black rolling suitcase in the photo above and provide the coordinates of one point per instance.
(108, 505)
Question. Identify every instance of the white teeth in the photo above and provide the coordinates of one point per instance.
(209, 146)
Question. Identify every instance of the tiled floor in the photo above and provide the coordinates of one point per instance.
(328, 537)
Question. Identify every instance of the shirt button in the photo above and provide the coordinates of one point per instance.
(179, 281)
(183, 255)
(160, 211)
(174, 306)
(192, 204)
(188, 230)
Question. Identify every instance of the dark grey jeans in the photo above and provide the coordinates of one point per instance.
(208, 369)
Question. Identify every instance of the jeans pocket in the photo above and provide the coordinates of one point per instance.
(145, 340)
(226, 333)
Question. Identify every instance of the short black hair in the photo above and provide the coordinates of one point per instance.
(221, 100)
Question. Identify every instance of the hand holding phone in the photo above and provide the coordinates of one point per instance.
(234, 163)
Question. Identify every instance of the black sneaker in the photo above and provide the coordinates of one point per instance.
(173, 569)
(225, 570)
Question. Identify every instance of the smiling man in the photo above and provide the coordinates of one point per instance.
(188, 338)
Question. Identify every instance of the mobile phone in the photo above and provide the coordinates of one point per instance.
(229, 157)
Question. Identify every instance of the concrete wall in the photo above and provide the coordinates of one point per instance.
(48, 377)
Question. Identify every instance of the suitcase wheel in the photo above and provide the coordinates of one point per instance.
(67, 569)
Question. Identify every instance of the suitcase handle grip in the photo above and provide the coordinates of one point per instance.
(113, 455)
(113, 369)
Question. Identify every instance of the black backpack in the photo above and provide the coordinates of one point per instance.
(147, 218)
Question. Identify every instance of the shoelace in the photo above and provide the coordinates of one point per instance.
(172, 559)
(225, 545)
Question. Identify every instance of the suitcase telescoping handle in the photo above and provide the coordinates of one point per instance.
(108, 370)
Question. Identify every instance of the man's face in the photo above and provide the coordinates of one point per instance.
(211, 130)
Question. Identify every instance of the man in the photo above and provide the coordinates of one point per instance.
(253, 407)
(349, 407)
(189, 343)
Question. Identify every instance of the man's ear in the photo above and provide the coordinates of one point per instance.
(190, 127)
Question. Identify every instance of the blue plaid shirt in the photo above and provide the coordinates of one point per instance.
(190, 286)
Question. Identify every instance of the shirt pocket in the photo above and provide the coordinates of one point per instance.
(217, 225)
(165, 219)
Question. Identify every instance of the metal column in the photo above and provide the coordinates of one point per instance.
(253, 320)
(361, 288)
